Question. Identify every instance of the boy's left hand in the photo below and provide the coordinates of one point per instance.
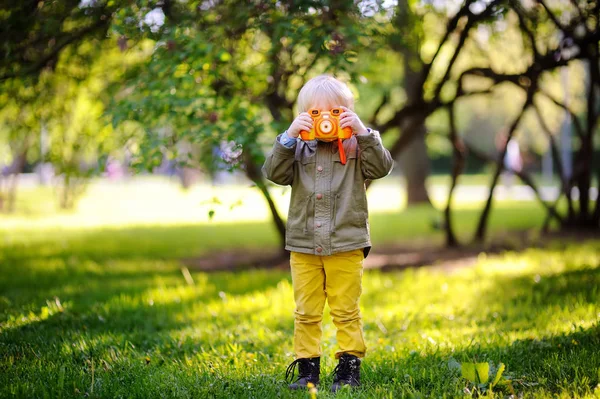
(349, 119)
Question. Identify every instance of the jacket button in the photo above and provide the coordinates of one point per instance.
(318, 224)
(319, 196)
(320, 168)
(319, 249)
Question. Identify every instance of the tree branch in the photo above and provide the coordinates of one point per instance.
(384, 101)
(464, 34)
(565, 186)
(576, 122)
(53, 55)
(522, 175)
(579, 12)
(553, 17)
(482, 225)
(457, 168)
(523, 24)
(450, 27)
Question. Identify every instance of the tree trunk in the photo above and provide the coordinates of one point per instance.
(414, 160)
(587, 145)
(254, 173)
(12, 179)
(12, 192)
(483, 219)
(64, 198)
(596, 217)
(458, 165)
(415, 165)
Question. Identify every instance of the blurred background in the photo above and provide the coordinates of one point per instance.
(132, 135)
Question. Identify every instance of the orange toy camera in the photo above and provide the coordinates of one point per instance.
(326, 127)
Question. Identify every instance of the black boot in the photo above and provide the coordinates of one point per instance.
(347, 372)
(308, 371)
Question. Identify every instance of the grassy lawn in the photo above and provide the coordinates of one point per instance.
(76, 324)
(98, 306)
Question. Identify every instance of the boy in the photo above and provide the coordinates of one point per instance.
(327, 228)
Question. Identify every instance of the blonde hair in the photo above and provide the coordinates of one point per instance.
(324, 88)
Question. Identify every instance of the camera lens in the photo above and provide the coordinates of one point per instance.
(326, 126)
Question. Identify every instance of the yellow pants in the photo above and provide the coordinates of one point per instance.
(336, 278)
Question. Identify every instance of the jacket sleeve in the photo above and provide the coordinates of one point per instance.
(376, 161)
(279, 165)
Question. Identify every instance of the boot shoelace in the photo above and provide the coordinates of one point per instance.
(289, 373)
(343, 370)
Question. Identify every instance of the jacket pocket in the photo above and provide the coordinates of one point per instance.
(362, 209)
(348, 184)
(304, 184)
(346, 213)
(300, 220)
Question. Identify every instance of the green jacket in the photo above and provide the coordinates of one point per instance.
(328, 208)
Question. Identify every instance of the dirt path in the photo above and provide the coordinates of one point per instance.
(391, 257)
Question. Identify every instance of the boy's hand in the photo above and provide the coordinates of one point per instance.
(349, 119)
(302, 122)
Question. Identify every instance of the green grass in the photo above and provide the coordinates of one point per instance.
(74, 324)
(104, 310)
(416, 226)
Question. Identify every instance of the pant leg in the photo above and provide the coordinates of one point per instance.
(308, 281)
(343, 273)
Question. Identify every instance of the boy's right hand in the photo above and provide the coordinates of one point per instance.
(302, 122)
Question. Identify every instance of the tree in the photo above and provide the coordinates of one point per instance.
(67, 101)
(222, 71)
(80, 136)
(579, 38)
(407, 39)
(230, 71)
(34, 33)
(443, 82)
(19, 128)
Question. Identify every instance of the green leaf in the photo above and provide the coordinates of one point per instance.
(468, 371)
(483, 372)
(477, 373)
(501, 368)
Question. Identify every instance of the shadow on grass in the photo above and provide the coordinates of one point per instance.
(139, 301)
(107, 317)
(159, 242)
(105, 320)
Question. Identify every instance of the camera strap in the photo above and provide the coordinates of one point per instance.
(342, 153)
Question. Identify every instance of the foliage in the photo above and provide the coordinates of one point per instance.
(481, 376)
(36, 32)
(227, 72)
(198, 77)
